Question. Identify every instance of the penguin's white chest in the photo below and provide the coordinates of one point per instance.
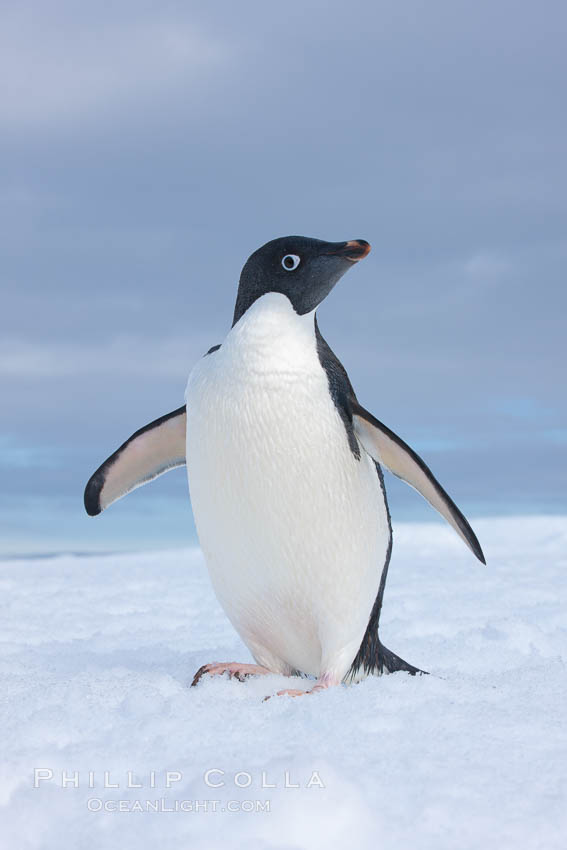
(293, 527)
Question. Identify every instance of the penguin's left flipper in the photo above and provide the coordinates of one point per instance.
(149, 452)
(388, 449)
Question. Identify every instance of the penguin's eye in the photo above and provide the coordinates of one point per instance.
(290, 262)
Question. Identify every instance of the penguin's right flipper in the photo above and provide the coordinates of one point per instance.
(387, 448)
(149, 452)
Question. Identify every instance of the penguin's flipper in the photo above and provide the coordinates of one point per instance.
(387, 448)
(149, 452)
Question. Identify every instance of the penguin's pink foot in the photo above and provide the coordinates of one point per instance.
(233, 668)
(294, 692)
(290, 692)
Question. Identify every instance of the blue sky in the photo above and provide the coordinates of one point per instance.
(147, 149)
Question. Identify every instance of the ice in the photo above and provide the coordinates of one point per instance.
(97, 654)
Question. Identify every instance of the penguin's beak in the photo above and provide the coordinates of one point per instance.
(354, 250)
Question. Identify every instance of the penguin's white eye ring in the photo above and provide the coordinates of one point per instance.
(290, 262)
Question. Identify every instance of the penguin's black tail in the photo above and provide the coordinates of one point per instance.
(388, 662)
(375, 659)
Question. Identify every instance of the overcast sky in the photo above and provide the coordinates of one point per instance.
(148, 148)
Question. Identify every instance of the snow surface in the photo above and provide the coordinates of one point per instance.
(97, 654)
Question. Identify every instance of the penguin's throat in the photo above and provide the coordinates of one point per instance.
(272, 337)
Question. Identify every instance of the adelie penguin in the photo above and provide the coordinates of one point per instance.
(284, 466)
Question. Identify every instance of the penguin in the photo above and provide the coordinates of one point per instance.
(285, 472)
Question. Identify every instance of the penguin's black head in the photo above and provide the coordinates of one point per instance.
(305, 270)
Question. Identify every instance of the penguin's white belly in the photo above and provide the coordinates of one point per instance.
(293, 527)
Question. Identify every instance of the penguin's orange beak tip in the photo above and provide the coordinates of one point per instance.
(353, 250)
(357, 249)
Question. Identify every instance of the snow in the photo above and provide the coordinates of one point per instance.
(98, 652)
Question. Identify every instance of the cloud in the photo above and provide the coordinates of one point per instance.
(58, 68)
(487, 268)
(557, 436)
(149, 148)
(123, 355)
(15, 455)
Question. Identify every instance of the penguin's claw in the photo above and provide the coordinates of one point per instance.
(233, 668)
